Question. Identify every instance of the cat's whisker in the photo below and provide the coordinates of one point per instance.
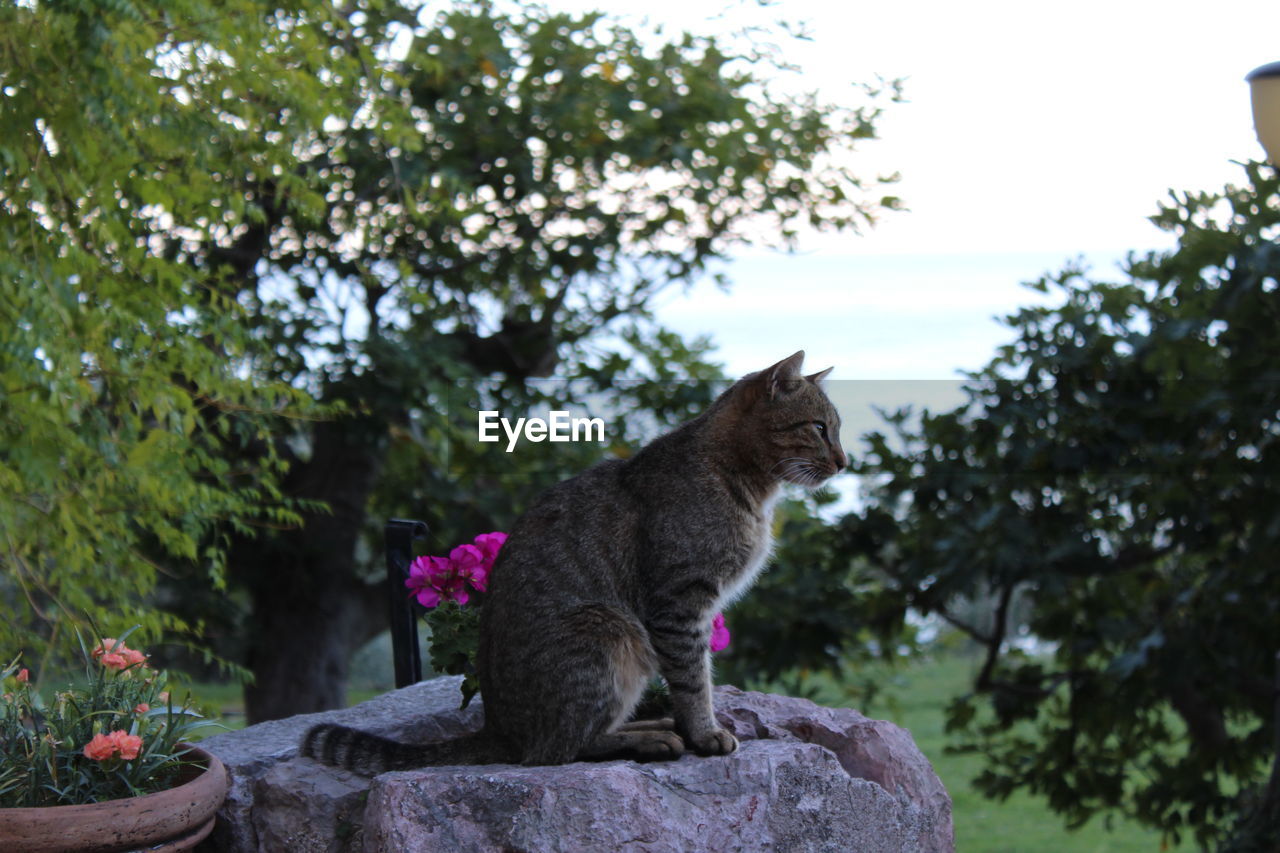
(785, 461)
(803, 472)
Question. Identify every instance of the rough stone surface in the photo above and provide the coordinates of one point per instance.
(424, 712)
(874, 750)
(807, 778)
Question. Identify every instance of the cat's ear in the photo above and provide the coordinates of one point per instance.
(819, 376)
(775, 378)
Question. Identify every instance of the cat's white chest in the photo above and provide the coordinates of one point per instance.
(759, 547)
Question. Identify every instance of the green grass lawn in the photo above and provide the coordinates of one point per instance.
(1020, 824)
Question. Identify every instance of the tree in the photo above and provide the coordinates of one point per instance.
(122, 388)
(338, 211)
(1117, 466)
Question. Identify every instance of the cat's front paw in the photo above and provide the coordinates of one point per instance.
(713, 742)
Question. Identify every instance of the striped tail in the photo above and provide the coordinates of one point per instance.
(370, 754)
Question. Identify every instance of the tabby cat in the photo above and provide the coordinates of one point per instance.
(614, 575)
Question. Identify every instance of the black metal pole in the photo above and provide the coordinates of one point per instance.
(405, 654)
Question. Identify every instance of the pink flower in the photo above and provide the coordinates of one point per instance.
(108, 653)
(436, 579)
(114, 654)
(141, 708)
(23, 676)
(490, 544)
(128, 745)
(100, 748)
(719, 633)
(424, 575)
(466, 558)
(469, 562)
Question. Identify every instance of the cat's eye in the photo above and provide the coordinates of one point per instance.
(821, 427)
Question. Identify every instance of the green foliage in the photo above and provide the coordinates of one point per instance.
(1117, 465)
(42, 744)
(815, 609)
(228, 222)
(455, 632)
(125, 371)
(1023, 823)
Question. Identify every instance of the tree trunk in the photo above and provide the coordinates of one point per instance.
(309, 607)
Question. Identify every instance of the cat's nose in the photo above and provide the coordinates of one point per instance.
(841, 460)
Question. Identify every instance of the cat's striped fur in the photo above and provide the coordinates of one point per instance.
(614, 575)
(371, 754)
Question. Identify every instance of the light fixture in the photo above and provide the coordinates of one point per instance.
(1264, 85)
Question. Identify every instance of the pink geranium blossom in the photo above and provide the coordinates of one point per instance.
(719, 633)
(490, 544)
(434, 580)
(469, 562)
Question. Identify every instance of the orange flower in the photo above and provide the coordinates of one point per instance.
(100, 748)
(114, 654)
(105, 746)
(109, 653)
(23, 676)
(128, 744)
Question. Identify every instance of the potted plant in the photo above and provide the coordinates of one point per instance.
(103, 766)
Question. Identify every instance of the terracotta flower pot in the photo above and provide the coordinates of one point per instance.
(173, 819)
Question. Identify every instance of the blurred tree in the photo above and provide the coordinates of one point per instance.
(818, 608)
(1118, 465)
(227, 210)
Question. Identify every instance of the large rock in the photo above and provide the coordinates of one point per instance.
(805, 778)
(266, 773)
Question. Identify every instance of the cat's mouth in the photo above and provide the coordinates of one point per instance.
(807, 473)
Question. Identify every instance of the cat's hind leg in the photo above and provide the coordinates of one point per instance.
(635, 743)
(605, 662)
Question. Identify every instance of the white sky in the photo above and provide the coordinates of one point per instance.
(1049, 126)
(1032, 134)
(1031, 126)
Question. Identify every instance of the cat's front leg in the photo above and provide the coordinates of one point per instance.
(685, 664)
